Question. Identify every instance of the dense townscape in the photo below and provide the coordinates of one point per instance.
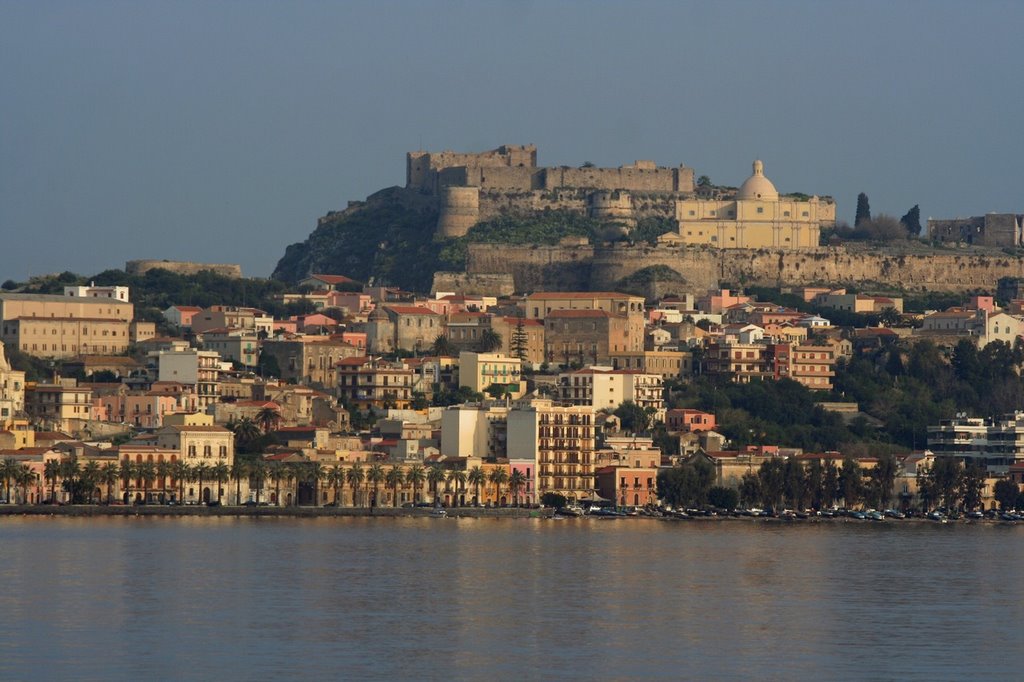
(348, 395)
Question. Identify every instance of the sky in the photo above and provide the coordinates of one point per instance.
(221, 131)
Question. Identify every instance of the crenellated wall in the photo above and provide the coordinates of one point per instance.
(140, 267)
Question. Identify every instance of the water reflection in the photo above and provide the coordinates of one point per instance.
(127, 598)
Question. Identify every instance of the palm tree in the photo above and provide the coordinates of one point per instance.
(477, 477)
(499, 477)
(288, 474)
(394, 478)
(355, 477)
(200, 472)
(258, 474)
(442, 346)
(435, 474)
(8, 470)
(180, 473)
(238, 471)
(126, 471)
(146, 472)
(490, 341)
(70, 470)
(415, 477)
(109, 475)
(25, 477)
(246, 432)
(516, 482)
(51, 472)
(316, 472)
(163, 470)
(336, 479)
(376, 476)
(276, 472)
(222, 474)
(91, 476)
(457, 478)
(268, 418)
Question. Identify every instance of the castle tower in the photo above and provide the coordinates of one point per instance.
(460, 210)
(380, 332)
(613, 206)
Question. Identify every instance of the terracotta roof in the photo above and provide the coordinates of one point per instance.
(186, 308)
(410, 310)
(526, 322)
(332, 279)
(354, 362)
(555, 295)
(578, 313)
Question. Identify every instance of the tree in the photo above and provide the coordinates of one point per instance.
(703, 181)
(222, 474)
(457, 479)
(393, 479)
(772, 475)
(146, 472)
(336, 479)
(516, 483)
(687, 484)
(163, 470)
(1006, 492)
(314, 473)
(90, 477)
(555, 500)
(201, 472)
(863, 210)
(258, 476)
(972, 482)
(945, 477)
(750, 489)
(51, 472)
(375, 476)
(180, 473)
(276, 473)
(268, 418)
(499, 477)
(109, 475)
(442, 346)
(415, 477)
(851, 483)
(247, 433)
(519, 341)
(489, 342)
(911, 221)
(355, 477)
(435, 474)
(884, 478)
(722, 497)
(238, 471)
(477, 477)
(25, 477)
(8, 470)
(634, 418)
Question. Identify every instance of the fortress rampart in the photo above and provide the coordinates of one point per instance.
(141, 267)
(601, 268)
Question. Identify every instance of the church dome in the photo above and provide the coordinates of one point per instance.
(757, 186)
(377, 315)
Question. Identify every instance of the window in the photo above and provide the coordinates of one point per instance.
(760, 209)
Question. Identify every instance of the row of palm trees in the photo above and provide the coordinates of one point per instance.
(167, 480)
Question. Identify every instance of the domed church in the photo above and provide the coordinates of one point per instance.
(757, 217)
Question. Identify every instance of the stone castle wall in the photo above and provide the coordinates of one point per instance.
(601, 268)
(141, 267)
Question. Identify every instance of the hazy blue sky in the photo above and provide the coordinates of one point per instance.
(220, 131)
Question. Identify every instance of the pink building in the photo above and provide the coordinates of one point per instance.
(717, 301)
(689, 421)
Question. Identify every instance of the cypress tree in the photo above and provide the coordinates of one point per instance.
(863, 210)
(912, 221)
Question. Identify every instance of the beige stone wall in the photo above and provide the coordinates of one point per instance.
(552, 268)
(141, 267)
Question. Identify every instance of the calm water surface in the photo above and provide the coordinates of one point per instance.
(229, 599)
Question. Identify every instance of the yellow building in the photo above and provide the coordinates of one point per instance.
(479, 371)
(757, 217)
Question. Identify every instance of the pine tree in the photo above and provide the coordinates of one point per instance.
(912, 221)
(863, 210)
(519, 341)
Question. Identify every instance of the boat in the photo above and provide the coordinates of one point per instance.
(439, 513)
(570, 510)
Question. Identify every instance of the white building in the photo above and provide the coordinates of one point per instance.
(93, 291)
(199, 369)
(605, 388)
(474, 430)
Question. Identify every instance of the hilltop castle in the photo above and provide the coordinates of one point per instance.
(473, 187)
